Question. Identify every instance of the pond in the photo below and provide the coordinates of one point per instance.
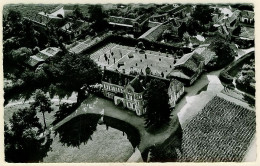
(90, 138)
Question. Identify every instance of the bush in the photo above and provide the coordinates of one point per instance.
(225, 77)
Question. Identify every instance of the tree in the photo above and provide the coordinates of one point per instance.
(21, 55)
(98, 16)
(225, 54)
(237, 31)
(96, 13)
(156, 103)
(193, 27)
(77, 12)
(14, 16)
(71, 72)
(203, 14)
(23, 138)
(42, 104)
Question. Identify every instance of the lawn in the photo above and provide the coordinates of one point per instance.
(9, 110)
(29, 10)
(104, 145)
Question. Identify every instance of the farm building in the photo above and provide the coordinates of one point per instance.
(42, 56)
(75, 28)
(189, 67)
(128, 24)
(128, 89)
(247, 17)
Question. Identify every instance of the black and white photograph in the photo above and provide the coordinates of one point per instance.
(128, 82)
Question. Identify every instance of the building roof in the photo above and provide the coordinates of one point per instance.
(48, 52)
(179, 73)
(177, 85)
(123, 21)
(116, 78)
(77, 25)
(248, 14)
(34, 60)
(136, 84)
(187, 66)
(186, 57)
(154, 33)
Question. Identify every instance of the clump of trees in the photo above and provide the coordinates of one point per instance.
(203, 14)
(224, 54)
(72, 72)
(24, 138)
(98, 17)
(156, 103)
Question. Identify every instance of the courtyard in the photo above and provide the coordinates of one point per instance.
(130, 59)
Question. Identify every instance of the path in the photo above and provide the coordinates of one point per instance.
(201, 82)
(95, 105)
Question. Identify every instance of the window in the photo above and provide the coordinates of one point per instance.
(133, 106)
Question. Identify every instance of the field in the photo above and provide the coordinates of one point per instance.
(29, 10)
(120, 57)
(221, 132)
(104, 146)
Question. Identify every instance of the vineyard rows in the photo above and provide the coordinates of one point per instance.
(222, 131)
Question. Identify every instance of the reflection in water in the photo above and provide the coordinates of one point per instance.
(79, 130)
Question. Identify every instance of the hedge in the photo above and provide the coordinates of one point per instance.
(226, 76)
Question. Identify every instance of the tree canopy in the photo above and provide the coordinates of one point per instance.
(97, 15)
(203, 14)
(71, 72)
(224, 53)
(24, 141)
(14, 16)
(156, 103)
(21, 55)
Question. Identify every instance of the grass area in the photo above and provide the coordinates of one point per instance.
(222, 131)
(29, 10)
(203, 89)
(82, 139)
(49, 117)
(247, 32)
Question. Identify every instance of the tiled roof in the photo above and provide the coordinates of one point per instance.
(116, 78)
(177, 85)
(136, 84)
(179, 73)
(120, 20)
(154, 33)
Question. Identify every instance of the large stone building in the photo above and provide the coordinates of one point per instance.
(128, 90)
